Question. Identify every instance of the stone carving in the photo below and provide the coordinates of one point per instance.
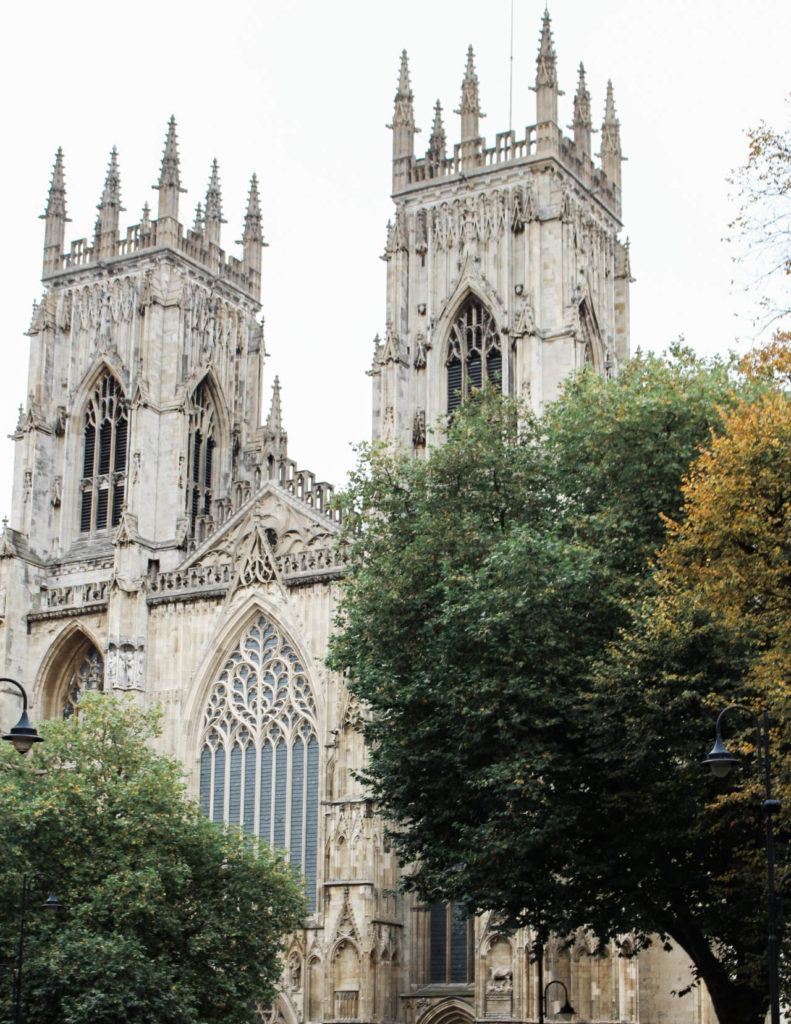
(294, 972)
(525, 322)
(255, 564)
(60, 421)
(421, 242)
(419, 429)
(346, 927)
(421, 352)
(124, 664)
(401, 237)
(57, 487)
(500, 980)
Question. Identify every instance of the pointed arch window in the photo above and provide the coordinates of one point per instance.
(474, 352)
(87, 674)
(259, 759)
(105, 443)
(202, 442)
(450, 945)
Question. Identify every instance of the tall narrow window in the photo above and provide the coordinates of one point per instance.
(105, 442)
(450, 945)
(87, 674)
(202, 442)
(473, 347)
(259, 761)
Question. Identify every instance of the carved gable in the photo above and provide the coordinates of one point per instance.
(267, 535)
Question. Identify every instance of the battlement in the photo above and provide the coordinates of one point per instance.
(143, 237)
(201, 243)
(471, 159)
(544, 140)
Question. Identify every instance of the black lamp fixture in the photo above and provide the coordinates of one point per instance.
(720, 760)
(24, 734)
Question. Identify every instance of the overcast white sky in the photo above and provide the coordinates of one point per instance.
(301, 91)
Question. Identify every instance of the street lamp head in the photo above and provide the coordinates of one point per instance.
(23, 735)
(566, 1010)
(52, 903)
(720, 759)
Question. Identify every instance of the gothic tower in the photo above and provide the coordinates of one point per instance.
(503, 260)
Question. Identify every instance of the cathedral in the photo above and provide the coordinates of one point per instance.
(164, 544)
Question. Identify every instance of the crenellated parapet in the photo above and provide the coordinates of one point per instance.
(200, 244)
(471, 157)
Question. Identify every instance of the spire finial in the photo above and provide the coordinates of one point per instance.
(403, 126)
(253, 223)
(109, 207)
(274, 422)
(403, 113)
(56, 198)
(214, 194)
(470, 102)
(55, 217)
(111, 193)
(199, 223)
(547, 58)
(611, 155)
(437, 142)
(253, 237)
(403, 76)
(582, 123)
(610, 117)
(470, 110)
(169, 184)
(213, 208)
(546, 87)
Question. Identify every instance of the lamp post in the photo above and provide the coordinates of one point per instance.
(566, 1010)
(52, 903)
(23, 735)
(721, 761)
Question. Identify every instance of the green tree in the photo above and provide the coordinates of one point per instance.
(166, 918)
(488, 585)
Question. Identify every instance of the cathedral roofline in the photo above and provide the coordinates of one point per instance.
(78, 271)
(595, 186)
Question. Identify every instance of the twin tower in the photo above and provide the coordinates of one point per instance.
(503, 260)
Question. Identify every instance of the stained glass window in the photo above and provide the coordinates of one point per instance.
(473, 344)
(450, 945)
(259, 761)
(88, 674)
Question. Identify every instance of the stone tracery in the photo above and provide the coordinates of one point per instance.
(259, 762)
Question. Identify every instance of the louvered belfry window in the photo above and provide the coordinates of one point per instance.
(473, 344)
(202, 442)
(106, 435)
(259, 760)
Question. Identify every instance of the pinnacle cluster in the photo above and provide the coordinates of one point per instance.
(203, 237)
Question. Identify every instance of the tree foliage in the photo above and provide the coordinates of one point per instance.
(535, 738)
(166, 918)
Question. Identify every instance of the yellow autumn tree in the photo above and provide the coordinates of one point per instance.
(731, 553)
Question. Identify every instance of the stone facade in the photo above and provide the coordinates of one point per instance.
(163, 545)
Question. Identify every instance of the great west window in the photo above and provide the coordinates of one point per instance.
(259, 760)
